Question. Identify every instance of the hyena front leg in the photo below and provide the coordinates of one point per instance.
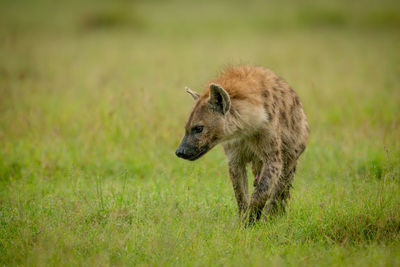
(237, 172)
(268, 182)
(278, 199)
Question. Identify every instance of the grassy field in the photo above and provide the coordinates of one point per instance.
(92, 108)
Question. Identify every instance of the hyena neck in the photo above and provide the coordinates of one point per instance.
(242, 121)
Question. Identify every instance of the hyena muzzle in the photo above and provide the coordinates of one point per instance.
(259, 120)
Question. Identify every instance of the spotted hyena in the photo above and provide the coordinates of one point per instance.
(258, 119)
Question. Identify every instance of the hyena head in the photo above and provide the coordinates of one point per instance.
(205, 126)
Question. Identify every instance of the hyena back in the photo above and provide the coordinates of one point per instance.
(259, 120)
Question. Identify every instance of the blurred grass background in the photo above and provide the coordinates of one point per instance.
(92, 107)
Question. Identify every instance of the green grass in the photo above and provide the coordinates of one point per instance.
(92, 107)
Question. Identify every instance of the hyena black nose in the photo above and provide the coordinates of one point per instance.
(180, 152)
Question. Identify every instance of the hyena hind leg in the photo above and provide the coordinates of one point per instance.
(281, 194)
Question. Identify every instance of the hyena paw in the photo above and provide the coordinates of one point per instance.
(251, 217)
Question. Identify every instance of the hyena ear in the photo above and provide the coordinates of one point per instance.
(219, 99)
(192, 93)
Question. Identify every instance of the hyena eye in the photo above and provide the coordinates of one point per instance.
(197, 129)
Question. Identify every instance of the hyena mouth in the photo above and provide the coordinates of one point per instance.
(202, 151)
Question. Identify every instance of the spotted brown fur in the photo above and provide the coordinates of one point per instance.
(264, 125)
